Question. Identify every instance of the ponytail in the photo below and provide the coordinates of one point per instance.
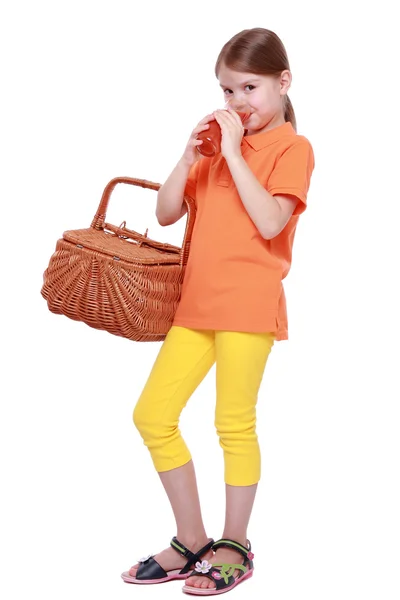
(289, 112)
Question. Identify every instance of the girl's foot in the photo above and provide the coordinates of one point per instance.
(222, 555)
(170, 559)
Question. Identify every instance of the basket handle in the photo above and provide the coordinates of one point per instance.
(100, 216)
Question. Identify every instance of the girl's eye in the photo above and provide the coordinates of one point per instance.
(227, 92)
(250, 87)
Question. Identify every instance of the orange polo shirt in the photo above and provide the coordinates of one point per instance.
(233, 278)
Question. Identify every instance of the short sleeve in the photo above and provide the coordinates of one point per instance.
(292, 173)
(191, 183)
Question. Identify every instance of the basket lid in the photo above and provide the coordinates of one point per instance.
(130, 250)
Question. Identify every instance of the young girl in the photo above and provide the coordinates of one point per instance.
(232, 308)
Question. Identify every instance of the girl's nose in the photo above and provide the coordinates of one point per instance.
(235, 103)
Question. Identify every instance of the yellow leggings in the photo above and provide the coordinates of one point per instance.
(184, 359)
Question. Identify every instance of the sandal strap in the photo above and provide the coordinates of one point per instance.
(180, 548)
(150, 569)
(227, 543)
(192, 557)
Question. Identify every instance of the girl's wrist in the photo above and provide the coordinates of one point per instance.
(184, 163)
(235, 160)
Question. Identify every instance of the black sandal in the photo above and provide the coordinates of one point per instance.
(149, 571)
(222, 573)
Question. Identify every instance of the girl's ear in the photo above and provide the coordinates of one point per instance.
(285, 81)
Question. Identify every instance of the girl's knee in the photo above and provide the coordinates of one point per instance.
(235, 423)
(143, 417)
(137, 417)
(148, 422)
(236, 433)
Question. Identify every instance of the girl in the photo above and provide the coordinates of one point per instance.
(232, 308)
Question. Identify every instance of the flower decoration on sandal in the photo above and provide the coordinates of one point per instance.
(203, 567)
(250, 555)
(226, 571)
(216, 575)
(142, 560)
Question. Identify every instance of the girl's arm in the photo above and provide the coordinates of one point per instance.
(269, 213)
(170, 205)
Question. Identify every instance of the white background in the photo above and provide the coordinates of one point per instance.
(94, 90)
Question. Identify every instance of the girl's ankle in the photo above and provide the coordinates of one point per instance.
(193, 542)
(240, 538)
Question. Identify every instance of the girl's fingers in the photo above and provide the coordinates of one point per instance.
(203, 125)
(199, 128)
(221, 114)
(227, 116)
(235, 116)
(228, 120)
(207, 119)
(232, 112)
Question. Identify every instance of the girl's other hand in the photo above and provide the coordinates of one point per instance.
(191, 155)
(232, 132)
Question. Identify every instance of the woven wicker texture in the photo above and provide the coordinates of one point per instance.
(116, 279)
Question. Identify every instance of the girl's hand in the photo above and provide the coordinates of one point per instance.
(191, 155)
(232, 132)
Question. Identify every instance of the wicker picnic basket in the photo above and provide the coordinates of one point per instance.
(116, 279)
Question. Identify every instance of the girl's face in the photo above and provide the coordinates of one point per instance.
(263, 94)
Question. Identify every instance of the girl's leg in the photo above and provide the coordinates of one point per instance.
(241, 360)
(239, 504)
(183, 361)
(181, 487)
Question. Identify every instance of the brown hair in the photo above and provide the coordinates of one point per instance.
(259, 51)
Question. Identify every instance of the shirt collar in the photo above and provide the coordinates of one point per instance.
(258, 141)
